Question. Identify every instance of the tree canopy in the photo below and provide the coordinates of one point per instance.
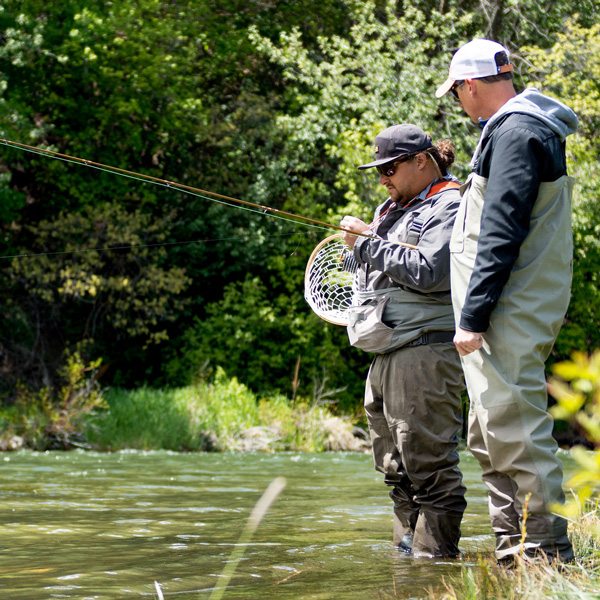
(264, 100)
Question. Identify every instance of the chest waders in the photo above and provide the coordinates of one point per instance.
(510, 430)
(413, 402)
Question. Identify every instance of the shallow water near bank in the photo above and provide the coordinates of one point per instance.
(87, 525)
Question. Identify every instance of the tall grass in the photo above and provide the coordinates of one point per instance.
(540, 581)
(223, 415)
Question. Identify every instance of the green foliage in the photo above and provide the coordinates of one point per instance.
(151, 87)
(53, 417)
(576, 386)
(223, 415)
(570, 71)
(200, 417)
(270, 102)
(12, 201)
(129, 284)
(264, 341)
(383, 71)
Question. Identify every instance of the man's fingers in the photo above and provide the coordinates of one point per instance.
(465, 347)
(462, 350)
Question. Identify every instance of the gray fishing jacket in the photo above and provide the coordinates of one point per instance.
(401, 293)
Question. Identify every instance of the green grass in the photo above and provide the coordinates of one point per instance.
(223, 415)
(540, 581)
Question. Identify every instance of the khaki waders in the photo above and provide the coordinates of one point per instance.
(510, 430)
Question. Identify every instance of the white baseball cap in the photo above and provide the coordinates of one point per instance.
(472, 61)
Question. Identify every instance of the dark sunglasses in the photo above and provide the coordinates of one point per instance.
(390, 168)
(454, 88)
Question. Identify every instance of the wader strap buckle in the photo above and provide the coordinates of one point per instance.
(432, 337)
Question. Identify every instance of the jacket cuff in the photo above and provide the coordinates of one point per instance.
(474, 324)
(360, 247)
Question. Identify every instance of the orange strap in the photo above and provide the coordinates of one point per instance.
(444, 185)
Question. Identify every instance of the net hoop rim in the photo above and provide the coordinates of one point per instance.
(311, 258)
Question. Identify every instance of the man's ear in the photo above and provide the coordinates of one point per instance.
(421, 160)
(471, 85)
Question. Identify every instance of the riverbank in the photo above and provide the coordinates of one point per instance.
(223, 415)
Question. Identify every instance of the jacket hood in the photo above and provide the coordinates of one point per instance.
(556, 115)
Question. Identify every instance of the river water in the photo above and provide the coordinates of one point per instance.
(87, 525)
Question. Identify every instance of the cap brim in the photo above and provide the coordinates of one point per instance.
(381, 161)
(445, 87)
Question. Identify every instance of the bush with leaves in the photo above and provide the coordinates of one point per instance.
(575, 384)
(173, 90)
(122, 294)
(221, 415)
(54, 417)
(570, 71)
(273, 346)
(272, 102)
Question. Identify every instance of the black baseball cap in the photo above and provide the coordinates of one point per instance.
(396, 141)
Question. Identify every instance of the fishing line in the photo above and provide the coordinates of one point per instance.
(131, 246)
(204, 194)
(140, 177)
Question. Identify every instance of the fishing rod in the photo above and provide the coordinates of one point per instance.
(330, 271)
(175, 185)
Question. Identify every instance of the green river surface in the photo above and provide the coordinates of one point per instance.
(88, 525)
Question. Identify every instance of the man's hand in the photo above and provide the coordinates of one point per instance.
(467, 341)
(352, 224)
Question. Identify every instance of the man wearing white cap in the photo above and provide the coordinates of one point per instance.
(511, 256)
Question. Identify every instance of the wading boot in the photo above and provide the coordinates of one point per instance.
(436, 533)
(545, 541)
(406, 513)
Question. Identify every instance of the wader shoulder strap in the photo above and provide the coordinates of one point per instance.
(443, 186)
(414, 231)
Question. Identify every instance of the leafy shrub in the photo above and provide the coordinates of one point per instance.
(576, 387)
(273, 346)
(54, 417)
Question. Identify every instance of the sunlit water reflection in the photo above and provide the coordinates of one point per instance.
(85, 525)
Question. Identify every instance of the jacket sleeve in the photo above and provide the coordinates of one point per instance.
(426, 269)
(513, 173)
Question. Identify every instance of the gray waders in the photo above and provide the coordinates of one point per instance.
(413, 406)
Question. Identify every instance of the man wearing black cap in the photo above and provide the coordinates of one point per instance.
(403, 315)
